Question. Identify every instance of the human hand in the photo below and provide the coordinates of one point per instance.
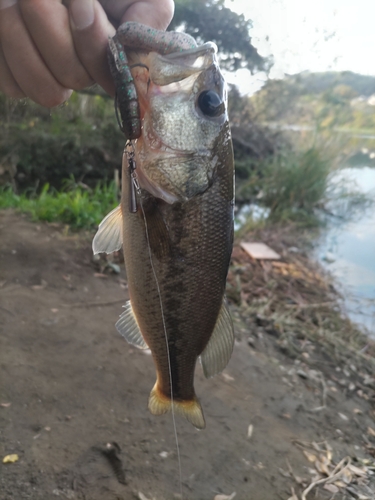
(50, 47)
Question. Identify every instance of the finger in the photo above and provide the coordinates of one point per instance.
(47, 21)
(157, 14)
(25, 62)
(8, 84)
(90, 30)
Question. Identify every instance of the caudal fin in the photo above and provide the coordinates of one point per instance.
(158, 404)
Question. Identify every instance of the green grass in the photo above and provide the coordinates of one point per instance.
(291, 185)
(295, 185)
(77, 206)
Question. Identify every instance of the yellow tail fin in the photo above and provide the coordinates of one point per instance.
(158, 404)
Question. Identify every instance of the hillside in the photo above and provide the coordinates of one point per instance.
(326, 100)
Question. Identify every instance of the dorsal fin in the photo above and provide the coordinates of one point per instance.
(218, 351)
(128, 327)
(108, 238)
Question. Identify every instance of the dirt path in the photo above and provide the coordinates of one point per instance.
(71, 386)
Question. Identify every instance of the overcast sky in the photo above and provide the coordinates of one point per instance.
(317, 35)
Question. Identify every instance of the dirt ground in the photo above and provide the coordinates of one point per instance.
(73, 397)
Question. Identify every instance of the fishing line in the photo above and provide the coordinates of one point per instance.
(133, 179)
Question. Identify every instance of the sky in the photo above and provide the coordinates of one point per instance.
(319, 35)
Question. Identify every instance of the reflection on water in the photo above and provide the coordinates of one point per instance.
(251, 210)
(348, 251)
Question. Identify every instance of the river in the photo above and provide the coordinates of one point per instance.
(347, 250)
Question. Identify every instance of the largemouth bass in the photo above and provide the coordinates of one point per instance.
(177, 232)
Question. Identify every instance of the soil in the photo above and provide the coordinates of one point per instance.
(73, 395)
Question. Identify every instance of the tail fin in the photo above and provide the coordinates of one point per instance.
(158, 404)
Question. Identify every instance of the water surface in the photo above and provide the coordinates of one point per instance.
(347, 250)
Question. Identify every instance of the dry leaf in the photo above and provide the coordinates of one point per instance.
(347, 476)
(141, 496)
(10, 459)
(357, 411)
(343, 417)
(225, 497)
(331, 487)
(325, 460)
(310, 456)
(371, 431)
(365, 461)
(357, 471)
(340, 484)
(316, 446)
(322, 468)
(102, 276)
(5, 405)
(250, 431)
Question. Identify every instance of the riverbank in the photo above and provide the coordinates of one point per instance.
(295, 296)
(295, 402)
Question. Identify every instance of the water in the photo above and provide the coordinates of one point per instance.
(250, 210)
(347, 250)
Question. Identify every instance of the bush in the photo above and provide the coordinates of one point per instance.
(292, 185)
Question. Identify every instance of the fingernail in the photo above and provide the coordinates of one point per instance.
(4, 4)
(82, 13)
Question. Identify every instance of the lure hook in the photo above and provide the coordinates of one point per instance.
(133, 180)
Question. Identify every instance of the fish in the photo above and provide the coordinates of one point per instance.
(175, 219)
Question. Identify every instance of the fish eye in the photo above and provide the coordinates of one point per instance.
(210, 103)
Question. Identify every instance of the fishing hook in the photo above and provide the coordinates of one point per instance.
(134, 187)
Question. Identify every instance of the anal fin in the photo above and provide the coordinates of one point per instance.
(218, 351)
(108, 238)
(128, 327)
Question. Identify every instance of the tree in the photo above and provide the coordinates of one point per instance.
(210, 20)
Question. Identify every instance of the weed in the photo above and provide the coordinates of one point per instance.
(78, 206)
(295, 185)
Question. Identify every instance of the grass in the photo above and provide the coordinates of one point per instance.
(295, 184)
(297, 187)
(77, 206)
(291, 186)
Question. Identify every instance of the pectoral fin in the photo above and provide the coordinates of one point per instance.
(128, 327)
(108, 238)
(218, 351)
